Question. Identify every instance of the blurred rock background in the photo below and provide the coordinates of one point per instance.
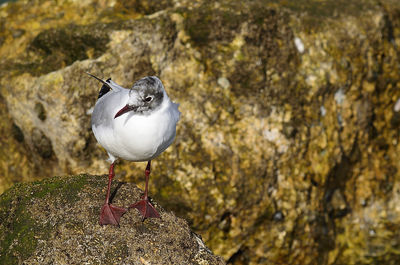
(286, 151)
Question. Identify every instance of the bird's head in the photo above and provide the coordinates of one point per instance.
(145, 95)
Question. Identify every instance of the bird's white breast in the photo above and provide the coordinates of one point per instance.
(133, 136)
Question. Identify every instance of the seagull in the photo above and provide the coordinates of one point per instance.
(135, 124)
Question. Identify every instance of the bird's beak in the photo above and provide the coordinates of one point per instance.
(125, 109)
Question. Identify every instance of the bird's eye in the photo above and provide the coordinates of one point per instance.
(148, 99)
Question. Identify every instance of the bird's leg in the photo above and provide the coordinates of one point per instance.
(110, 214)
(144, 206)
(147, 174)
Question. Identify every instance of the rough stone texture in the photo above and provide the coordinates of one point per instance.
(55, 221)
(287, 148)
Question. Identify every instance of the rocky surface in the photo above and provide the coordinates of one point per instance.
(56, 221)
(287, 148)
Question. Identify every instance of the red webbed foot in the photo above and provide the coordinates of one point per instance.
(146, 209)
(111, 214)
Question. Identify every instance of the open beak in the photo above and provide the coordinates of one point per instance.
(125, 109)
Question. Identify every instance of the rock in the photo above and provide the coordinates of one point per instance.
(55, 221)
(287, 107)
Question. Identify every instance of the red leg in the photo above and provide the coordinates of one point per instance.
(110, 214)
(144, 206)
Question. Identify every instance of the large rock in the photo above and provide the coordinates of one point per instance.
(287, 147)
(56, 221)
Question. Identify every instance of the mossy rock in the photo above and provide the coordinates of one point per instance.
(56, 221)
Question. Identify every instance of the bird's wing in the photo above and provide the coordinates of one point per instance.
(108, 83)
(115, 86)
(176, 112)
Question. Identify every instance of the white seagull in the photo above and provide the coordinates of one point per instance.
(135, 124)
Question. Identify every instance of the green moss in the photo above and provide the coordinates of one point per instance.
(55, 48)
(19, 232)
(201, 23)
(326, 9)
(142, 7)
(19, 225)
(60, 47)
(67, 189)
